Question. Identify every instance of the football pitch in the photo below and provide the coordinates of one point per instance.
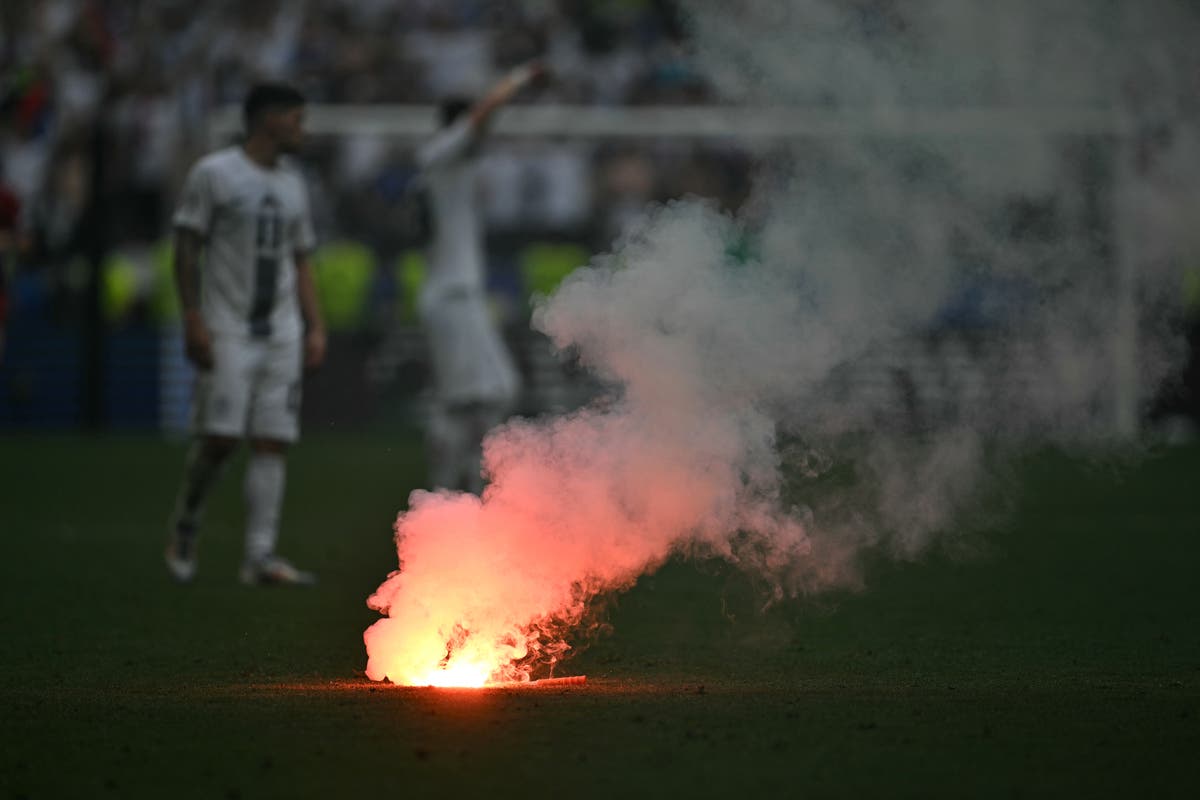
(1054, 651)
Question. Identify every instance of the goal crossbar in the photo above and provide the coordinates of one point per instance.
(746, 123)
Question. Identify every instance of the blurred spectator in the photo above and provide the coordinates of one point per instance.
(148, 137)
(26, 137)
(627, 183)
(56, 219)
(456, 59)
(150, 74)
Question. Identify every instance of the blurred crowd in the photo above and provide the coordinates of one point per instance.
(105, 105)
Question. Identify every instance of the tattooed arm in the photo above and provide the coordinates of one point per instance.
(314, 327)
(197, 342)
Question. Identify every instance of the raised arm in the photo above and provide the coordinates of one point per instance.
(504, 90)
(451, 142)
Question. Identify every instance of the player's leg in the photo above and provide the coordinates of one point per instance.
(266, 478)
(482, 418)
(496, 383)
(475, 383)
(205, 462)
(442, 433)
(274, 425)
(218, 418)
(447, 438)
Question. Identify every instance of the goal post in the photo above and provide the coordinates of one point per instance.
(747, 124)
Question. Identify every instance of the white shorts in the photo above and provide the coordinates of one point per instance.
(470, 361)
(253, 389)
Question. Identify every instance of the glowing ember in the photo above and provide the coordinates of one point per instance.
(466, 676)
(573, 680)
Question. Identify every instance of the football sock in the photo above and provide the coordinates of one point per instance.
(265, 477)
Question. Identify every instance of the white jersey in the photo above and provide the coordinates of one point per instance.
(470, 361)
(253, 220)
(448, 170)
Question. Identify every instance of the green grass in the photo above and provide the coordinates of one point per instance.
(1060, 658)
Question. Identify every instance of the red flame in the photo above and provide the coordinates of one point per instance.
(489, 587)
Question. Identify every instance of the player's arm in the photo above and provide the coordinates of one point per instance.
(450, 143)
(504, 90)
(192, 219)
(197, 342)
(310, 311)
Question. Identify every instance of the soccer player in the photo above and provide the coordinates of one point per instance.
(475, 381)
(243, 233)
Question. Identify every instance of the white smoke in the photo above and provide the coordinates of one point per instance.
(750, 355)
(1028, 165)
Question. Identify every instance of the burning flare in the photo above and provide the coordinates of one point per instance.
(583, 504)
(819, 329)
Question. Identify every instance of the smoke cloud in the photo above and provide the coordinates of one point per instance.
(899, 301)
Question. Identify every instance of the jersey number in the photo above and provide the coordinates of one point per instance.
(268, 235)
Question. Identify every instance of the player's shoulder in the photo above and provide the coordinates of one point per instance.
(290, 167)
(220, 158)
(217, 162)
(447, 145)
(292, 171)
